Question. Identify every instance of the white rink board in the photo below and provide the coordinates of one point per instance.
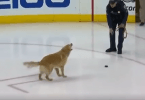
(100, 7)
(75, 7)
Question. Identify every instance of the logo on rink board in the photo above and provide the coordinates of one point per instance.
(130, 8)
(15, 4)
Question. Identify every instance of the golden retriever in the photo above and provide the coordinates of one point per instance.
(52, 61)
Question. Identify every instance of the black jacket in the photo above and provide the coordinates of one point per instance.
(118, 13)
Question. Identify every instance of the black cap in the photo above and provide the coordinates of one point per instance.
(112, 1)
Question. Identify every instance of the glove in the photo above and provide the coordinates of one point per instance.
(111, 31)
(121, 26)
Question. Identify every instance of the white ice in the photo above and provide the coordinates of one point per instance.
(86, 75)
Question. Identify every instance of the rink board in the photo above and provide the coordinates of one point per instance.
(27, 11)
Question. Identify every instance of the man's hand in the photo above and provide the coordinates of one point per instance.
(121, 26)
(111, 31)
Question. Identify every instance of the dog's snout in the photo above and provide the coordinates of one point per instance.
(71, 44)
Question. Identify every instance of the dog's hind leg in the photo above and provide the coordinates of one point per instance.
(41, 72)
(40, 76)
(49, 70)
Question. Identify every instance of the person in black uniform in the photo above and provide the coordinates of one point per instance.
(117, 14)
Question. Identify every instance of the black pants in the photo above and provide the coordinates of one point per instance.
(120, 37)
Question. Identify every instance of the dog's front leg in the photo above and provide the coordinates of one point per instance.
(62, 71)
(57, 71)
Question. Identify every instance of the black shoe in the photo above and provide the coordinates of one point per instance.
(141, 24)
(111, 50)
(119, 51)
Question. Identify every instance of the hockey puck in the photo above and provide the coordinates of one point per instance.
(106, 65)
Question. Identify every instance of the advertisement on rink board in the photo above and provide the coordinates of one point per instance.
(130, 5)
(35, 7)
(37, 4)
(14, 4)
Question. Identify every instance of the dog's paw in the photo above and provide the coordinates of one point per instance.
(59, 75)
(64, 76)
(40, 79)
(49, 79)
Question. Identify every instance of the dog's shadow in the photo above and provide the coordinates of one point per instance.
(72, 78)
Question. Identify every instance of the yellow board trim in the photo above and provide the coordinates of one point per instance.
(45, 18)
(56, 18)
(103, 18)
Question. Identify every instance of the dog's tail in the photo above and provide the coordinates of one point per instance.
(31, 64)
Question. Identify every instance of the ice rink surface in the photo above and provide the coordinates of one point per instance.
(86, 75)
